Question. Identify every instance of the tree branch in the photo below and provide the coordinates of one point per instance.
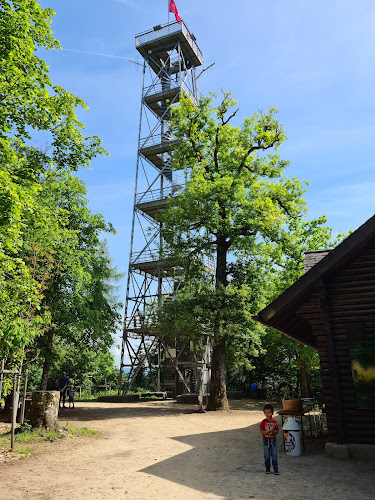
(198, 155)
(286, 210)
(257, 148)
(224, 122)
(216, 149)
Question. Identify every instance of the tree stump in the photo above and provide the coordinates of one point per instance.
(44, 410)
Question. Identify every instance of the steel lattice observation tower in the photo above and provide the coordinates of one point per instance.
(171, 56)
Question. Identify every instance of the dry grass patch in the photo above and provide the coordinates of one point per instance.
(35, 439)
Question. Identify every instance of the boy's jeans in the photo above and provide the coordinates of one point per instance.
(270, 451)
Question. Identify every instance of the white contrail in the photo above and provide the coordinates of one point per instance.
(97, 54)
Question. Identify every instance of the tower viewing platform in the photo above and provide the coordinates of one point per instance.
(162, 38)
(155, 95)
(149, 261)
(153, 202)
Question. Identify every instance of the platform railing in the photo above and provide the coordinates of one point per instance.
(152, 256)
(167, 257)
(165, 30)
(160, 88)
(159, 194)
(158, 139)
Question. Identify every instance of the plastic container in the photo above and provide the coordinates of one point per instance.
(323, 422)
(292, 437)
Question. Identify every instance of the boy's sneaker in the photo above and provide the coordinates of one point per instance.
(276, 472)
(268, 472)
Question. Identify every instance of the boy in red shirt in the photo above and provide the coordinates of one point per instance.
(269, 430)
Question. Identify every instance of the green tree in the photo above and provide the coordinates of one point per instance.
(78, 290)
(237, 204)
(282, 363)
(29, 102)
(32, 109)
(80, 363)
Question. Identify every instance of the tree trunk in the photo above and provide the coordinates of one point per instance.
(218, 393)
(303, 374)
(44, 410)
(47, 361)
(221, 261)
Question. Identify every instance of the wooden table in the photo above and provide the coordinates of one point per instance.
(305, 412)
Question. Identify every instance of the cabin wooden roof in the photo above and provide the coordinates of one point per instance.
(298, 308)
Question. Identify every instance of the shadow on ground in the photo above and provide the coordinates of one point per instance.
(234, 469)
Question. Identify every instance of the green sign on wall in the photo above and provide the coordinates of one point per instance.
(362, 353)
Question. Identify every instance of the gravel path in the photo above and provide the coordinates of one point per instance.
(161, 450)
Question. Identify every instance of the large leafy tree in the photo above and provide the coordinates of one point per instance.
(72, 265)
(237, 206)
(32, 109)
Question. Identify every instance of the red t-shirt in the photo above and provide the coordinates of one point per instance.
(268, 425)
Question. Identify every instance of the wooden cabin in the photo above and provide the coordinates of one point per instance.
(332, 309)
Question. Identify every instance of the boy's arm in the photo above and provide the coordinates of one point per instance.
(263, 431)
(275, 429)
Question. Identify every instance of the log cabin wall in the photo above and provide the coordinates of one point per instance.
(332, 309)
(312, 311)
(351, 300)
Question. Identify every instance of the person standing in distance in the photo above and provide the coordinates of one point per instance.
(62, 383)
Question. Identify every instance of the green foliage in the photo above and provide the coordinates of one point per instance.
(55, 274)
(27, 437)
(24, 452)
(77, 275)
(240, 208)
(223, 311)
(25, 427)
(30, 102)
(51, 436)
(80, 362)
(277, 368)
(80, 432)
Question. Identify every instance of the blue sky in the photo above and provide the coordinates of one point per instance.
(313, 61)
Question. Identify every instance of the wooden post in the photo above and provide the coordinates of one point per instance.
(1, 378)
(159, 362)
(14, 410)
(22, 415)
(303, 372)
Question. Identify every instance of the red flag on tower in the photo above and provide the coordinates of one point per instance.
(173, 8)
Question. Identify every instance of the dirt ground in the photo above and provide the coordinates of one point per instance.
(162, 450)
